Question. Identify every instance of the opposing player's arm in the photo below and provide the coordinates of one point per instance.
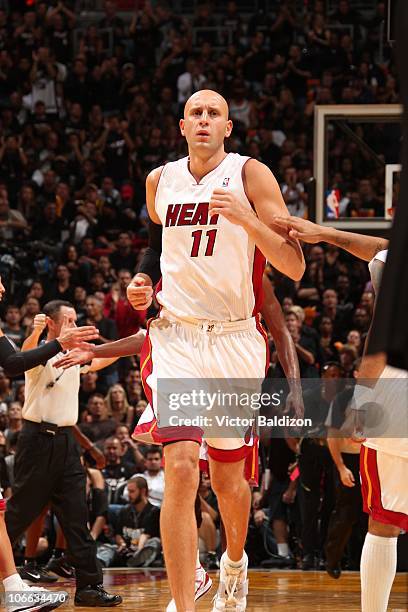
(139, 291)
(125, 347)
(362, 246)
(283, 252)
(372, 365)
(285, 347)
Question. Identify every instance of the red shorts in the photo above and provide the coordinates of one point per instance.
(383, 486)
(2, 504)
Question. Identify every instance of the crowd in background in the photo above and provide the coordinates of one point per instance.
(83, 119)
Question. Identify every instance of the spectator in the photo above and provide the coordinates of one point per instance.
(123, 257)
(90, 385)
(6, 393)
(294, 194)
(118, 405)
(138, 534)
(117, 307)
(29, 309)
(99, 426)
(190, 81)
(62, 288)
(304, 346)
(15, 420)
(13, 226)
(154, 475)
(13, 329)
(116, 470)
(131, 451)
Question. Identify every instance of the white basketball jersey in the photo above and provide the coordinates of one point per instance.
(389, 395)
(211, 269)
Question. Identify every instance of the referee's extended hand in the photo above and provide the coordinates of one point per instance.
(140, 292)
(72, 336)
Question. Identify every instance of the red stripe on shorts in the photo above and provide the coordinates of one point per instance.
(371, 492)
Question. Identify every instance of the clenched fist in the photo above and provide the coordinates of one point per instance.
(140, 292)
(39, 323)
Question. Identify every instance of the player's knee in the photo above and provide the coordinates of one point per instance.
(383, 530)
(183, 473)
(224, 483)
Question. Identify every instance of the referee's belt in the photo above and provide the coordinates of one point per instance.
(48, 429)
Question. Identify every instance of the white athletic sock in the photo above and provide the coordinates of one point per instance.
(13, 583)
(377, 572)
(198, 562)
(234, 563)
(283, 550)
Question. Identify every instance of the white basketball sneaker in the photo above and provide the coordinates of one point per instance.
(34, 599)
(233, 589)
(203, 583)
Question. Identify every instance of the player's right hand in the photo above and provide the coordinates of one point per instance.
(140, 293)
(72, 336)
(347, 477)
(40, 322)
(301, 229)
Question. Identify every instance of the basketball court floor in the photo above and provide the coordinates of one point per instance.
(273, 590)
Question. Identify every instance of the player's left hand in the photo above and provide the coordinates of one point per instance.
(40, 322)
(77, 356)
(226, 204)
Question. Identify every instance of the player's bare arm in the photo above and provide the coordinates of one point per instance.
(283, 251)
(372, 365)
(125, 347)
(271, 312)
(140, 290)
(362, 246)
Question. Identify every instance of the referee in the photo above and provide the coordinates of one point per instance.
(48, 467)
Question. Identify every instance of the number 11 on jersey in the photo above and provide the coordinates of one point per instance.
(211, 234)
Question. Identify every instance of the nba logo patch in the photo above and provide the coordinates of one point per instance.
(225, 182)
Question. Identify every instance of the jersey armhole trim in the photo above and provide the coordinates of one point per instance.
(157, 189)
(244, 183)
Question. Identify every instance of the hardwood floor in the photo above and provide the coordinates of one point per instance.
(278, 591)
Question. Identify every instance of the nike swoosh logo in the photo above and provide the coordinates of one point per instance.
(33, 575)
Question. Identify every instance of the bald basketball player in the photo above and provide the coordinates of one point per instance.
(383, 461)
(211, 215)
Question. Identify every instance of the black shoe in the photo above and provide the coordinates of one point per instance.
(211, 561)
(308, 563)
(94, 596)
(61, 567)
(35, 573)
(334, 572)
(278, 561)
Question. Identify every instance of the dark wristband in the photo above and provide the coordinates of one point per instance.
(150, 265)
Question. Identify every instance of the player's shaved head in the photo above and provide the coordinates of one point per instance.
(207, 97)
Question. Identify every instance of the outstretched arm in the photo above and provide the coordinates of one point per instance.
(16, 363)
(362, 246)
(104, 354)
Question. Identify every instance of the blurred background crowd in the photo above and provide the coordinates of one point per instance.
(90, 98)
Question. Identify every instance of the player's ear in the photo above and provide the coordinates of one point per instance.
(49, 322)
(181, 124)
(228, 129)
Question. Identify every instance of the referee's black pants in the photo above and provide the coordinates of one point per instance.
(347, 513)
(48, 470)
(316, 494)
